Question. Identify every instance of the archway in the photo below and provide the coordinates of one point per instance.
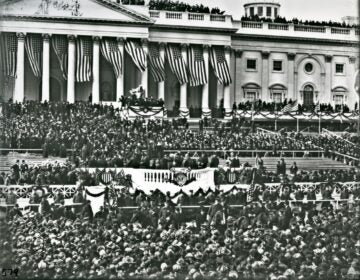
(55, 90)
(308, 95)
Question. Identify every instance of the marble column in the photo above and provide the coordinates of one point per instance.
(120, 79)
(206, 112)
(96, 71)
(265, 77)
(227, 92)
(71, 69)
(161, 85)
(46, 68)
(20, 65)
(144, 75)
(184, 111)
(291, 77)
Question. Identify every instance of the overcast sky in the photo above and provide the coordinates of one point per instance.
(303, 9)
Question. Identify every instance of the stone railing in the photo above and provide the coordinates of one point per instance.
(191, 19)
(297, 30)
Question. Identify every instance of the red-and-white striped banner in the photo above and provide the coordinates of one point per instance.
(197, 71)
(111, 52)
(219, 64)
(8, 53)
(84, 47)
(156, 63)
(177, 63)
(33, 47)
(60, 45)
(137, 54)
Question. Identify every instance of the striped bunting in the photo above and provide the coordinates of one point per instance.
(197, 70)
(291, 107)
(110, 50)
(137, 54)
(219, 64)
(177, 63)
(33, 47)
(60, 45)
(83, 59)
(156, 62)
(8, 53)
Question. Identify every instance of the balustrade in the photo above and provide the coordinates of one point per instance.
(194, 16)
(337, 30)
(173, 15)
(307, 28)
(278, 26)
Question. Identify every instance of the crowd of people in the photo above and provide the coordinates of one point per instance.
(259, 106)
(147, 102)
(160, 240)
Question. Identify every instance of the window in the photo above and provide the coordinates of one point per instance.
(250, 95)
(260, 11)
(277, 97)
(339, 68)
(251, 11)
(339, 99)
(277, 65)
(268, 11)
(275, 12)
(309, 67)
(251, 64)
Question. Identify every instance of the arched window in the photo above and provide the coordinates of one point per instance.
(251, 91)
(278, 93)
(308, 95)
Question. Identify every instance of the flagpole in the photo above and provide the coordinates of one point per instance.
(275, 117)
(297, 125)
(319, 122)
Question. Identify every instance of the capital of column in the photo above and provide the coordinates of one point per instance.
(352, 59)
(265, 55)
(71, 38)
(20, 36)
(162, 45)
(96, 39)
(206, 47)
(46, 37)
(227, 48)
(328, 58)
(144, 41)
(238, 53)
(184, 47)
(291, 56)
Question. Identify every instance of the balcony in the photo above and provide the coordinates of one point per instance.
(296, 30)
(191, 19)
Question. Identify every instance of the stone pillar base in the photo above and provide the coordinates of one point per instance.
(228, 114)
(184, 113)
(205, 113)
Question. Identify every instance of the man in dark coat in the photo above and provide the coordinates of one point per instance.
(87, 211)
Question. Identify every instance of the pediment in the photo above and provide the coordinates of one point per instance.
(81, 9)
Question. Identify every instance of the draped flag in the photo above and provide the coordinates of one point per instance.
(33, 47)
(157, 64)
(8, 53)
(84, 47)
(219, 64)
(197, 70)
(110, 50)
(60, 45)
(291, 107)
(137, 54)
(177, 63)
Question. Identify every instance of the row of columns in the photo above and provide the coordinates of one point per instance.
(71, 79)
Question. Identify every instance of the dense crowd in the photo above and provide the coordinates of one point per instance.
(147, 102)
(297, 21)
(262, 240)
(272, 107)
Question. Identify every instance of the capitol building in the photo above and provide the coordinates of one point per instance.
(73, 50)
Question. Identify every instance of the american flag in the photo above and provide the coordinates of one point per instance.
(137, 54)
(83, 59)
(218, 62)
(8, 53)
(291, 107)
(197, 70)
(177, 63)
(110, 50)
(156, 62)
(33, 47)
(60, 45)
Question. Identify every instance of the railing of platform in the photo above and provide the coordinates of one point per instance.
(278, 26)
(338, 30)
(308, 28)
(250, 24)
